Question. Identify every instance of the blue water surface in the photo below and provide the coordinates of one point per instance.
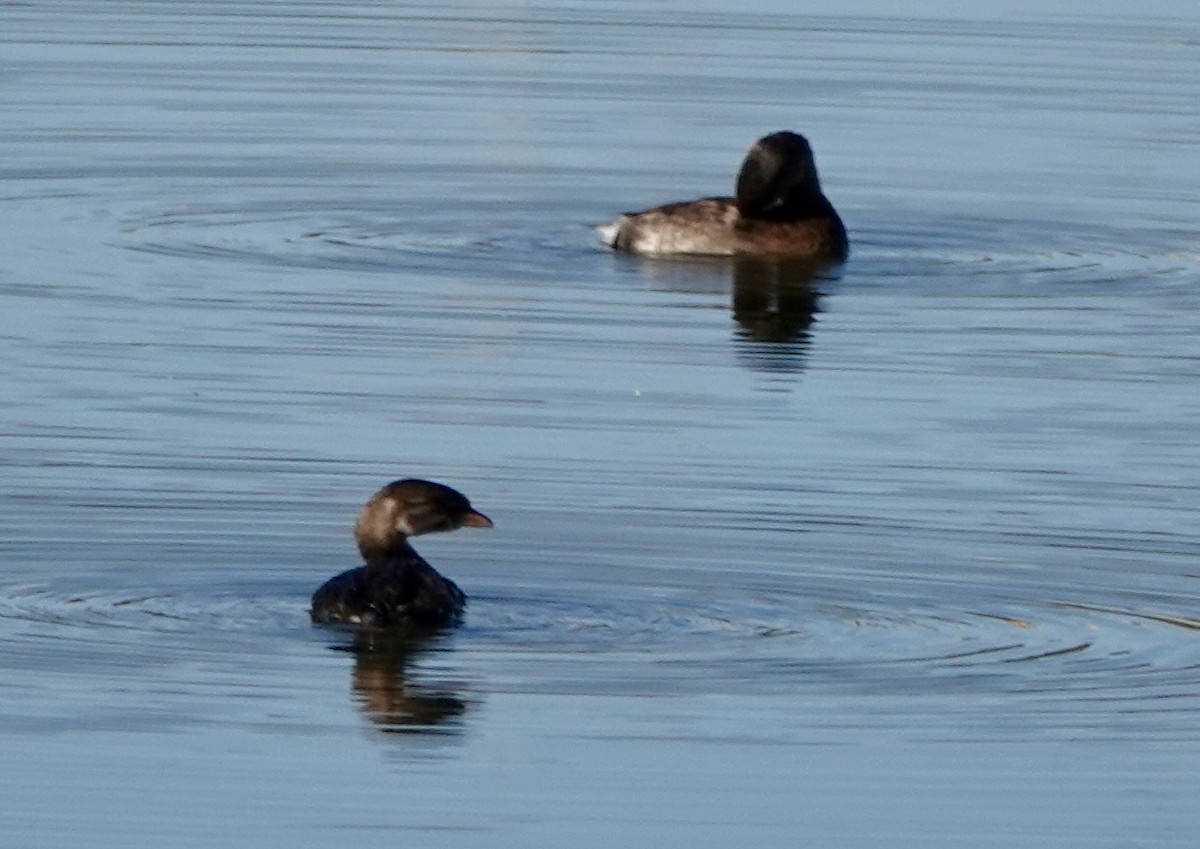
(905, 555)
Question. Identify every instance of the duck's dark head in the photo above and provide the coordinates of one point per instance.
(778, 180)
(408, 508)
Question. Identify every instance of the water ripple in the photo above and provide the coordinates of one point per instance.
(652, 643)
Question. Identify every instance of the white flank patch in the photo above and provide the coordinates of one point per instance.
(608, 232)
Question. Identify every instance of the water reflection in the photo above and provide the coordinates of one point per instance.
(774, 305)
(774, 302)
(392, 695)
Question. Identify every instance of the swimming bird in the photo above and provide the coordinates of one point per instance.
(778, 209)
(396, 588)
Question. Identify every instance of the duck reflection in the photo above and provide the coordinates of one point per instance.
(775, 305)
(774, 302)
(391, 695)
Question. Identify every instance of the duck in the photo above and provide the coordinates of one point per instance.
(778, 210)
(396, 588)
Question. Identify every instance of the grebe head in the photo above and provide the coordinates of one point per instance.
(408, 508)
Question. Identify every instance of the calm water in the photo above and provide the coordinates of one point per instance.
(905, 556)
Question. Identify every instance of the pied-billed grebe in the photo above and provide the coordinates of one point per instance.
(779, 210)
(396, 587)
